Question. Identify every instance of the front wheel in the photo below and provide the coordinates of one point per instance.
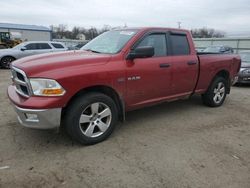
(6, 61)
(216, 93)
(91, 118)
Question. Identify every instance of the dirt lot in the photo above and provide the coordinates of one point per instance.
(178, 144)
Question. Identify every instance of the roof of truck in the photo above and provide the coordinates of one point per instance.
(152, 28)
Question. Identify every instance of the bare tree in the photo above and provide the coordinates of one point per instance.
(207, 33)
(62, 31)
(75, 32)
(105, 28)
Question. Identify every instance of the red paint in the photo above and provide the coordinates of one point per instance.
(79, 70)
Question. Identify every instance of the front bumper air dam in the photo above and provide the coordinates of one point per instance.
(39, 118)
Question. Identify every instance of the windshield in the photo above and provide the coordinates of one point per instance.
(213, 49)
(110, 42)
(245, 57)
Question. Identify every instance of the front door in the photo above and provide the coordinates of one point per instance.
(148, 79)
(30, 50)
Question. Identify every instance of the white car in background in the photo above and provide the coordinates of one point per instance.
(29, 48)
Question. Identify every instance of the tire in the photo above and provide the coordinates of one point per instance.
(216, 93)
(6, 62)
(91, 118)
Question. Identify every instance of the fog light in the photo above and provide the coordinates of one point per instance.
(31, 117)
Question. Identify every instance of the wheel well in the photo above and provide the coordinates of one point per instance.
(225, 74)
(8, 56)
(107, 91)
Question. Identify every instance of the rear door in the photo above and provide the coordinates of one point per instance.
(43, 47)
(148, 79)
(185, 64)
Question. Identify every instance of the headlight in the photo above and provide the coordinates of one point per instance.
(46, 87)
(245, 71)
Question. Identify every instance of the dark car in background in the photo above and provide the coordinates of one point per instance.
(244, 74)
(222, 49)
(78, 46)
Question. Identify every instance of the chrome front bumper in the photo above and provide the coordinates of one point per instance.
(39, 118)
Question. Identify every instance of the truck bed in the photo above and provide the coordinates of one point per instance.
(210, 63)
(209, 53)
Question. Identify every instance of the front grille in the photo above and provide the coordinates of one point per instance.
(21, 82)
(20, 76)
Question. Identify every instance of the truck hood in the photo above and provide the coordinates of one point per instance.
(61, 61)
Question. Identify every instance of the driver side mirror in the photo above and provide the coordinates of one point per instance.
(23, 48)
(141, 52)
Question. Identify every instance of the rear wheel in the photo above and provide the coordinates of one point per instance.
(216, 93)
(6, 62)
(91, 118)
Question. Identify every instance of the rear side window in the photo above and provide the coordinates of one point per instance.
(43, 46)
(57, 45)
(179, 44)
(158, 41)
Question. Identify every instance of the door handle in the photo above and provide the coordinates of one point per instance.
(191, 62)
(164, 65)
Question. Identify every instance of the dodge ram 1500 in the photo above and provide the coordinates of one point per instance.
(89, 90)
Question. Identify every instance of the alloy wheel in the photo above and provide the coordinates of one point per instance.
(219, 92)
(95, 119)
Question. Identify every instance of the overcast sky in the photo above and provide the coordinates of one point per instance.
(233, 17)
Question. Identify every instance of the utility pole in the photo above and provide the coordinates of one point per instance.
(92, 32)
(179, 24)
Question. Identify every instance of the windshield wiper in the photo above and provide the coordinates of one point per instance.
(94, 51)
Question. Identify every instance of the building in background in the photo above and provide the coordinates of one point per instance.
(81, 36)
(26, 32)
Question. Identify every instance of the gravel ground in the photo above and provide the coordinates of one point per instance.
(178, 144)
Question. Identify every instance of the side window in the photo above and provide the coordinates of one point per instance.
(57, 45)
(31, 46)
(179, 44)
(158, 41)
(43, 46)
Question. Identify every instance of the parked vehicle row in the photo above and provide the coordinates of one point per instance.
(118, 71)
(78, 46)
(221, 49)
(28, 48)
(244, 73)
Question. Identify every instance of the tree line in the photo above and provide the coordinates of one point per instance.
(207, 33)
(61, 31)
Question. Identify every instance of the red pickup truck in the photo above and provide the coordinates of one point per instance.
(89, 90)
